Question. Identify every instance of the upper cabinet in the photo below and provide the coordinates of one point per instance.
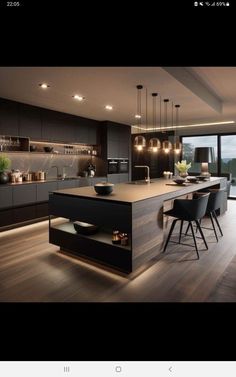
(57, 126)
(36, 123)
(118, 138)
(8, 117)
(30, 124)
(85, 131)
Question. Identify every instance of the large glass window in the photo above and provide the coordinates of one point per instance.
(228, 159)
(192, 142)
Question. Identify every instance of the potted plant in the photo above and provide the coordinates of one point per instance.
(5, 163)
(183, 167)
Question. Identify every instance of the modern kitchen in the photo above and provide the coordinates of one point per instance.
(117, 184)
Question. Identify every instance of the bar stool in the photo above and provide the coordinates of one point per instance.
(214, 203)
(188, 210)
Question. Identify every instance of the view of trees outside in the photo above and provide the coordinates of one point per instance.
(228, 159)
(190, 143)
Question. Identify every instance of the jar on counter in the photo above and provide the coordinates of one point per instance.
(116, 237)
(124, 239)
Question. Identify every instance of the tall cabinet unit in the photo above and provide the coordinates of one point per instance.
(116, 144)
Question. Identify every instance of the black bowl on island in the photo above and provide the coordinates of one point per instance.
(85, 228)
(192, 179)
(48, 149)
(179, 180)
(103, 188)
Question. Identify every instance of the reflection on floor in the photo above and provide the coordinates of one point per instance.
(31, 269)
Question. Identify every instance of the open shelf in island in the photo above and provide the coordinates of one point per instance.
(97, 247)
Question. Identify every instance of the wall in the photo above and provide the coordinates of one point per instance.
(33, 162)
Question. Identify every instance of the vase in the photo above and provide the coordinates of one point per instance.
(3, 177)
(183, 174)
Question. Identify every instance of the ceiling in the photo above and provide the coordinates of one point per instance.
(116, 86)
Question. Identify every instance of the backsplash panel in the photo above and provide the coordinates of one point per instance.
(30, 162)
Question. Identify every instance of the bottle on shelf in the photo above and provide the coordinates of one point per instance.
(115, 237)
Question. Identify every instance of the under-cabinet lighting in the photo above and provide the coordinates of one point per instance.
(137, 116)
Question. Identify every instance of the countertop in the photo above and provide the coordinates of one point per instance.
(51, 180)
(131, 193)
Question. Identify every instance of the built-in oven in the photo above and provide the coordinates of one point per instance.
(123, 166)
(113, 166)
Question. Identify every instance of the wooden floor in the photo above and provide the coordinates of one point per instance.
(31, 269)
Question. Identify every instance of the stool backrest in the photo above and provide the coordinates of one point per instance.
(215, 199)
(194, 209)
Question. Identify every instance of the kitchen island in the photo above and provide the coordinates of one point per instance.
(135, 209)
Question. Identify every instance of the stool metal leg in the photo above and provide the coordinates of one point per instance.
(181, 227)
(201, 232)
(212, 221)
(169, 235)
(194, 238)
(217, 222)
(186, 232)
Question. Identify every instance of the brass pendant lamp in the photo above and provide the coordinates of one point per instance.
(154, 142)
(139, 141)
(177, 143)
(166, 145)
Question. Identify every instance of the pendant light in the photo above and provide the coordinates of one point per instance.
(154, 142)
(166, 145)
(139, 141)
(177, 144)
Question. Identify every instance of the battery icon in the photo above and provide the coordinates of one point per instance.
(195, 3)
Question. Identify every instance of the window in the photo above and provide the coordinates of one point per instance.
(190, 143)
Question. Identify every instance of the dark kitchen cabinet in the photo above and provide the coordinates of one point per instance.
(30, 124)
(67, 184)
(6, 217)
(24, 214)
(57, 127)
(5, 197)
(85, 131)
(92, 134)
(113, 178)
(112, 149)
(124, 177)
(24, 194)
(9, 118)
(43, 190)
(116, 140)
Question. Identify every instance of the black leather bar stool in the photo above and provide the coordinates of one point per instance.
(188, 210)
(215, 199)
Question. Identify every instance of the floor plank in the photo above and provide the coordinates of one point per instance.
(31, 269)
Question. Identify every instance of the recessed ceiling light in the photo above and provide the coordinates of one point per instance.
(109, 107)
(137, 116)
(44, 85)
(78, 97)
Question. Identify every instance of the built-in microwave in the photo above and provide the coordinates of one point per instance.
(123, 166)
(113, 166)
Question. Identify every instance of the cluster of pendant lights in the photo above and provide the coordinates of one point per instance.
(154, 143)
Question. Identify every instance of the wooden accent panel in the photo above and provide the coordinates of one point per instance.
(147, 230)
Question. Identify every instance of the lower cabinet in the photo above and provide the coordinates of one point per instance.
(118, 178)
(24, 194)
(24, 214)
(5, 197)
(43, 189)
(67, 184)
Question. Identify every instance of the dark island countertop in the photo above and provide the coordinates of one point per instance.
(131, 193)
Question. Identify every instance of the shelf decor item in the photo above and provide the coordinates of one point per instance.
(182, 168)
(5, 163)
